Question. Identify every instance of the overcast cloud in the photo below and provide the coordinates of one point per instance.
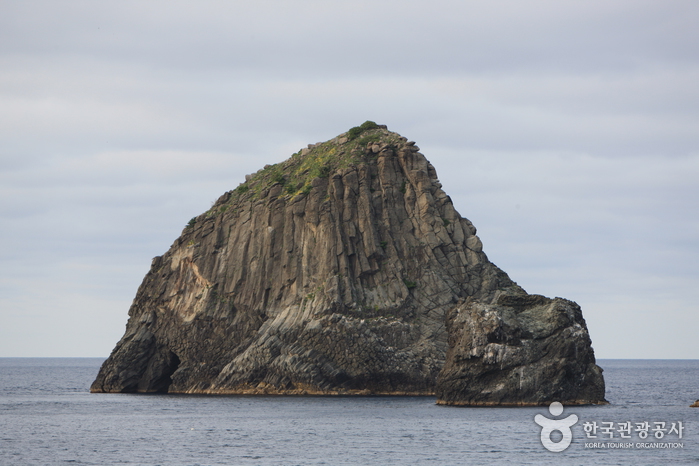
(566, 131)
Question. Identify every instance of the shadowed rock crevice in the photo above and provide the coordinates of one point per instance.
(344, 270)
(157, 377)
(140, 364)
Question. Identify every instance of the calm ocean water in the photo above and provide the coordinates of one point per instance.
(47, 416)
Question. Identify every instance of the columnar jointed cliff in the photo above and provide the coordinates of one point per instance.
(346, 270)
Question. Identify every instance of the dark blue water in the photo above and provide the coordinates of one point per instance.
(47, 416)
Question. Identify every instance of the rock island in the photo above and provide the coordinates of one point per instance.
(346, 270)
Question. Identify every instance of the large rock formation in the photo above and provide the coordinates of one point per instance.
(346, 270)
(518, 349)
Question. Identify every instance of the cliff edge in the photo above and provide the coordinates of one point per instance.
(346, 270)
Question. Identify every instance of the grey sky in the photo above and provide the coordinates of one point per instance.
(567, 131)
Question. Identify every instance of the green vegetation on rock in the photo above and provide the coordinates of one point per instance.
(357, 130)
(321, 160)
(409, 284)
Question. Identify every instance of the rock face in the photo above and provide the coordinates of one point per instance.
(346, 270)
(532, 346)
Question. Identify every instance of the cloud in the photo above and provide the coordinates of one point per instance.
(565, 131)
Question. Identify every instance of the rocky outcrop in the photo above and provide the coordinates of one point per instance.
(343, 270)
(518, 350)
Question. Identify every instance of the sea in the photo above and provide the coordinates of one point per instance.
(49, 417)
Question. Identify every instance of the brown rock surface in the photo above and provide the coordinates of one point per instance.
(333, 272)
